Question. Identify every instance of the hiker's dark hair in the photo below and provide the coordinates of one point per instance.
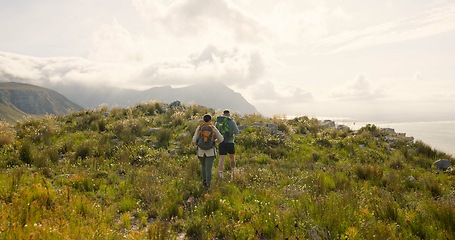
(207, 118)
(226, 111)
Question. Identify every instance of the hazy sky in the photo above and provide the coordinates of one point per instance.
(336, 58)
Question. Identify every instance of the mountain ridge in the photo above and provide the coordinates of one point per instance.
(214, 95)
(18, 100)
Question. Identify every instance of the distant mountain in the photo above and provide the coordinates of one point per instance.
(58, 74)
(19, 99)
(213, 95)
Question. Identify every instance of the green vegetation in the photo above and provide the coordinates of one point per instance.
(20, 100)
(132, 174)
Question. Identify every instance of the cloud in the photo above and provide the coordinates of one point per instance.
(264, 91)
(358, 90)
(198, 23)
(114, 43)
(218, 20)
(282, 94)
(187, 41)
(14, 66)
(48, 71)
(233, 68)
(424, 24)
(298, 95)
(418, 76)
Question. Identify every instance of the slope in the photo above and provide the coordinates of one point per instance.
(19, 99)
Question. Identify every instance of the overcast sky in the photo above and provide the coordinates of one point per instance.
(335, 58)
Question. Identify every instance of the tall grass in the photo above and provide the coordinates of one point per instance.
(132, 173)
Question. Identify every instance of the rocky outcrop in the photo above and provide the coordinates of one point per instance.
(442, 164)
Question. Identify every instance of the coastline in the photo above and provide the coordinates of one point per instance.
(440, 135)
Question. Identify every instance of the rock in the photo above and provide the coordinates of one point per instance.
(442, 164)
(172, 152)
(241, 128)
(327, 124)
(257, 125)
(388, 130)
(271, 127)
(343, 128)
(151, 131)
(184, 135)
(176, 105)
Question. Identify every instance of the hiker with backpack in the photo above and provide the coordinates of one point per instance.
(205, 137)
(228, 128)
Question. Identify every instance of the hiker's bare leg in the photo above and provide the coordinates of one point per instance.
(232, 158)
(221, 165)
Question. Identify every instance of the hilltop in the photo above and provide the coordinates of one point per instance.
(18, 100)
(131, 173)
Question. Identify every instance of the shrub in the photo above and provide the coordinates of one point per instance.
(372, 129)
(163, 137)
(324, 183)
(195, 229)
(397, 160)
(9, 157)
(323, 142)
(387, 210)
(25, 153)
(424, 149)
(434, 188)
(127, 204)
(368, 172)
(305, 125)
(160, 231)
(7, 134)
(52, 154)
(83, 150)
(444, 211)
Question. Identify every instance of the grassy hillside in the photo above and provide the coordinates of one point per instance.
(10, 114)
(18, 100)
(132, 174)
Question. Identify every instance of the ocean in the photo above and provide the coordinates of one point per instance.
(440, 135)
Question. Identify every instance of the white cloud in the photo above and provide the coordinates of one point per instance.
(357, 90)
(269, 91)
(13, 66)
(199, 22)
(114, 43)
(264, 90)
(44, 71)
(424, 24)
(187, 41)
(418, 76)
(234, 68)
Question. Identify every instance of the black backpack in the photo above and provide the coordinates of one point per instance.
(206, 136)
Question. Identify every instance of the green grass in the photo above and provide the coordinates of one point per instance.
(132, 174)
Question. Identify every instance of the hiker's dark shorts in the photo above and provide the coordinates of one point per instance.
(226, 148)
